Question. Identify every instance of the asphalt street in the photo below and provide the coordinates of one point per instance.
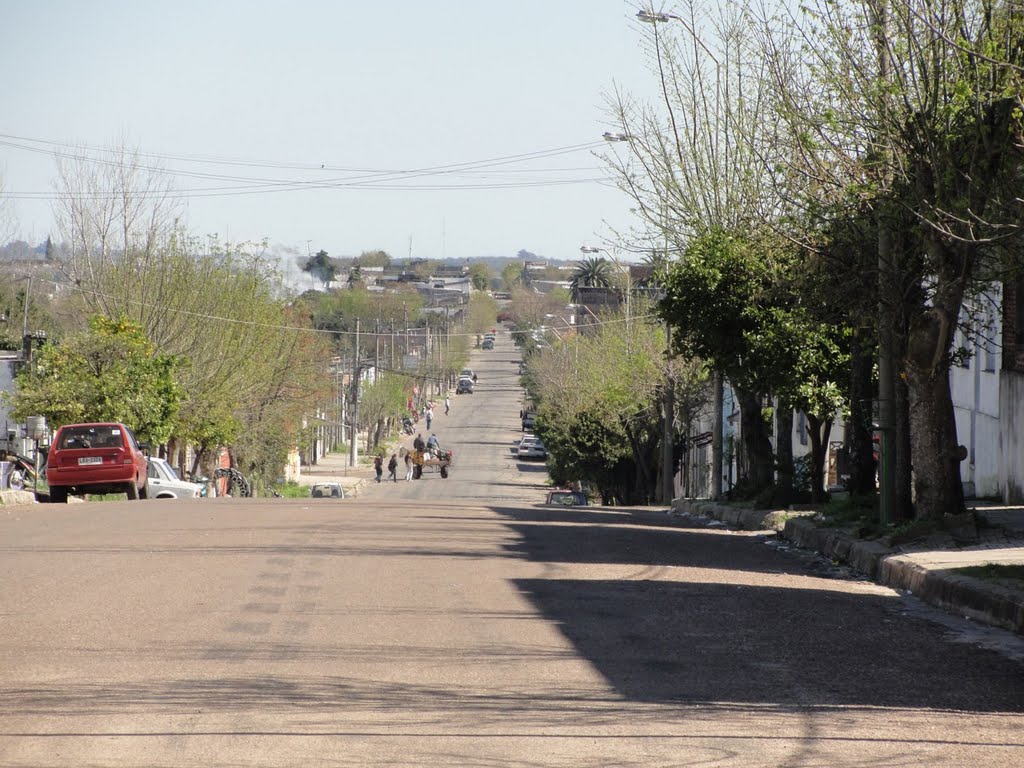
(459, 623)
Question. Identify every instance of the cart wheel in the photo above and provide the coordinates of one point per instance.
(444, 471)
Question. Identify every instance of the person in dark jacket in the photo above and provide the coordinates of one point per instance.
(378, 466)
(393, 468)
(418, 443)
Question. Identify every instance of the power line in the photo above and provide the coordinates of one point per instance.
(245, 185)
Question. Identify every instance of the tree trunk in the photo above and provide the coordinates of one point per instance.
(933, 440)
(819, 431)
(643, 480)
(756, 444)
(784, 444)
(903, 505)
(859, 447)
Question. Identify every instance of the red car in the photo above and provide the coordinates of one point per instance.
(96, 458)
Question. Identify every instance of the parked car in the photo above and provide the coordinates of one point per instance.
(565, 498)
(531, 447)
(465, 387)
(96, 458)
(164, 482)
(467, 373)
(529, 418)
(327, 491)
(488, 344)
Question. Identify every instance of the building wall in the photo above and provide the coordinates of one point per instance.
(1011, 468)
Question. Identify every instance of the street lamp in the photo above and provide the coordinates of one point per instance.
(651, 17)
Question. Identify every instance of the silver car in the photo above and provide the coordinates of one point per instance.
(531, 447)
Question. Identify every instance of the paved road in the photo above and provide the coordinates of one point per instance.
(483, 430)
(469, 629)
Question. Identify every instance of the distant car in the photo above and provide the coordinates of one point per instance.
(529, 419)
(327, 491)
(164, 482)
(488, 344)
(96, 458)
(531, 447)
(464, 387)
(467, 373)
(564, 498)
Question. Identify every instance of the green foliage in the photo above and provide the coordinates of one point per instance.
(109, 373)
(586, 446)
(481, 314)
(292, 490)
(480, 275)
(385, 398)
(373, 259)
(322, 267)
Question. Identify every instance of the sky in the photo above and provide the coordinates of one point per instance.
(431, 128)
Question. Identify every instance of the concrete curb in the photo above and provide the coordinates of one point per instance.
(977, 599)
(13, 498)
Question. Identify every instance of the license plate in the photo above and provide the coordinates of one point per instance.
(90, 460)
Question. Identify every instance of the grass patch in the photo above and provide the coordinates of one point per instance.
(292, 490)
(1007, 575)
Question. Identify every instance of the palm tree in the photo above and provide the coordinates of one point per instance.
(594, 272)
(659, 263)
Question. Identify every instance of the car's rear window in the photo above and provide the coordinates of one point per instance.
(91, 437)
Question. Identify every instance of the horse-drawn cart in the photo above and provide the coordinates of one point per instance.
(432, 460)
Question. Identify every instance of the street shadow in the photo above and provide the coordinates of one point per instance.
(738, 621)
(532, 467)
(691, 643)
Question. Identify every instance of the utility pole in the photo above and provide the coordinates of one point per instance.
(667, 473)
(353, 450)
(716, 435)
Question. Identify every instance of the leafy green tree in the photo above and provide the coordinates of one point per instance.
(481, 314)
(322, 267)
(611, 385)
(915, 105)
(373, 259)
(512, 276)
(109, 373)
(480, 275)
(382, 401)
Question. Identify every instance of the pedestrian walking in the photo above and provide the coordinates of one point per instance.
(393, 468)
(378, 466)
(447, 404)
(418, 443)
(408, 466)
(430, 416)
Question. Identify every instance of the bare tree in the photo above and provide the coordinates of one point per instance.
(112, 208)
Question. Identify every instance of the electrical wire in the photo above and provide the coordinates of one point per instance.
(390, 179)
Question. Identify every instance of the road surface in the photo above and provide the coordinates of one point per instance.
(456, 623)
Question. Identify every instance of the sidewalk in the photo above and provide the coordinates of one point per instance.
(929, 570)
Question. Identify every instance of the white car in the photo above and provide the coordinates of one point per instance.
(164, 482)
(531, 447)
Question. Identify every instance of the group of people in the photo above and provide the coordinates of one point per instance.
(431, 446)
(378, 467)
(428, 410)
